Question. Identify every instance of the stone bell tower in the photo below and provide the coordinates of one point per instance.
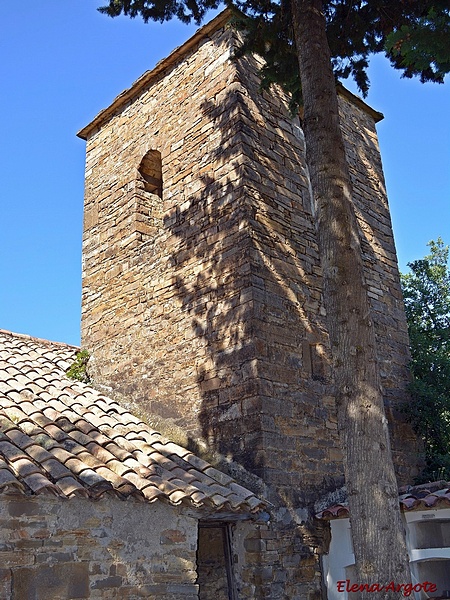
(202, 293)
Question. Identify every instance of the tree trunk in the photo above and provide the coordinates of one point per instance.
(377, 531)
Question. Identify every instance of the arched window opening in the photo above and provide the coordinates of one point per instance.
(150, 170)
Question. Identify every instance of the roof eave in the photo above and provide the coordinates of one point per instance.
(166, 63)
(163, 65)
(357, 101)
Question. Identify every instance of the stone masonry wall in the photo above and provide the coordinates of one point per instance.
(205, 306)
(382, 279)
(107, 550)
(214, 317)
(279, 560)
(143, 286)
(292, 402)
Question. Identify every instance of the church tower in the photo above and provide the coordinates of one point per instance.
(202, 295)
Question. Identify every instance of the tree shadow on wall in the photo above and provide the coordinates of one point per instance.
(247, 272)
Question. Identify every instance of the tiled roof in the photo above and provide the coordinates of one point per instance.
(336, 511)
(420, 497)
(428, 495)
(63, 437)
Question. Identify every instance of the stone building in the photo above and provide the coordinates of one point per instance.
(202, 296)
(96, 504)
(202, 312)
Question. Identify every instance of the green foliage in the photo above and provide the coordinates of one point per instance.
(160, 10)
(422, 48)
(412, 33)
(271, 37)
(426, 291)
(78, 370)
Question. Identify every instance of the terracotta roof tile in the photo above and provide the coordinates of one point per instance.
(336, 511)
(113, 477)
(153, 493)
(179, 473)
(177, 497)
(24, 467)
(118, 468)
(218, 475)
(70, 486)
(21, 440)
(6, 477)
(87, 459)
(62, 437)
(198, 498)
(38, 454)
(38, 482)
(10, 451)
(55, 469)
(431, 495)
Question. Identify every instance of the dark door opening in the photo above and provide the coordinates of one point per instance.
(214, 562)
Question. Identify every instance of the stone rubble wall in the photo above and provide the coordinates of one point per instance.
(279, 561)
(107, 550)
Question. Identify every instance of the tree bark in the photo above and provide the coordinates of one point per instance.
(377, 530)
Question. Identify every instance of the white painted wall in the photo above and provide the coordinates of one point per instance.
(427, 563)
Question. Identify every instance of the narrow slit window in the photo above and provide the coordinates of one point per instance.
(315, 360)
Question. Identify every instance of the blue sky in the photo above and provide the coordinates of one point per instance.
(62, 62)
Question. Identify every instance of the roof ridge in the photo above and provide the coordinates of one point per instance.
(25, 336)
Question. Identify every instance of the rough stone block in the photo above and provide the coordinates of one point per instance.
(61, 581)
